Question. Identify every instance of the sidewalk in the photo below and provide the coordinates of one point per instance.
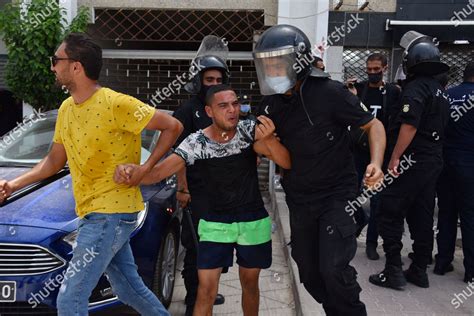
(276, 295)
(439, 299)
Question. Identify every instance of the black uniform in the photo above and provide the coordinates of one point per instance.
(380, 101)
(412, 195)
(319, 185)
(456, 183)
(193, 117)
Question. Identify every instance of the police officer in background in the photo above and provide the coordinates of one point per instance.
(212, 70)
(379, 97)
(415, 139)
(311, 113)
(456, 183)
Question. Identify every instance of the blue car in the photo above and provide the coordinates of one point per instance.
(38, 228)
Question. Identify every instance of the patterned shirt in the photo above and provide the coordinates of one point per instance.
(198, 146)
(229, 170)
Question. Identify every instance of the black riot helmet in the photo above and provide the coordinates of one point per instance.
(421, 55)
(282, 56)
(202, 64)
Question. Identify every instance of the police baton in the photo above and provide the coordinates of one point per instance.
(187, 214)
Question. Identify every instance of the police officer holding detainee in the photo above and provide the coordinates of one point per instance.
(311, 113)
(416, 134)
(211, 69)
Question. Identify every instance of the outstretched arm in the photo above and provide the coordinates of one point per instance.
(50, 165)
(164, 169)
(377, 142)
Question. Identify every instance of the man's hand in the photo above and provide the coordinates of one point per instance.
(350, 85)
(5, 190)
(265, 129)
(393, 166)
(183, 197)
(125, 173)
(373, 175)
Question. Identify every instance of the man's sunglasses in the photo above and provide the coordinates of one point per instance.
(54, 60)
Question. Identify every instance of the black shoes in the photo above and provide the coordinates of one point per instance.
(371, 252)
(417, 276)
(442, 269)
(392, 277)
(468, 278)
(220, 299)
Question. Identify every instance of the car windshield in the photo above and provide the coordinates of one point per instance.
(27, 144)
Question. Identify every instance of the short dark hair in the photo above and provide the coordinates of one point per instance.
(469, 72)
(378, 56)
(216, 89)
(83, 49)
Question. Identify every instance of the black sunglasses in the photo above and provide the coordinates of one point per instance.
(54, 60)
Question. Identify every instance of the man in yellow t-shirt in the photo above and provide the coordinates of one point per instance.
(96, 130)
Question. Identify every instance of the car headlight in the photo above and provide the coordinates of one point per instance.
(72, 236)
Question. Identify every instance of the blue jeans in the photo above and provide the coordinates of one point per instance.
(103, 246)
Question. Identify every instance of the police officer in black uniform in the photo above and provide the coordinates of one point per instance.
(379, 97)
(415, 139)
(311, 113)
(213, 71)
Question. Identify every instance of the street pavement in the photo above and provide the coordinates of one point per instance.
(282, 294)
(276, 293)
(441, 298)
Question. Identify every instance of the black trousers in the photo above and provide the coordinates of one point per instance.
(456, 199)
(198, 206)
(323, 243)
(410, 196)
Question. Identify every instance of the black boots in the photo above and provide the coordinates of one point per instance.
(440, 269)
(392, 277)
(371, 251)
(417, 276)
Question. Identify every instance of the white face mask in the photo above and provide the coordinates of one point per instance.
(279, 84)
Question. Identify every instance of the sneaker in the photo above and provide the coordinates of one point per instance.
(442, 269)
(417, 276)
(392, 277)
(371, 252)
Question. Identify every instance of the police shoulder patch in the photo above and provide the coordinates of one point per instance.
(406, 108)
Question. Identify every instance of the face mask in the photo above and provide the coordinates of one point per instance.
(279, 84)
(375, 78)
(245, 108)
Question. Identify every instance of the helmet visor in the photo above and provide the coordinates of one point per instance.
(276, 74)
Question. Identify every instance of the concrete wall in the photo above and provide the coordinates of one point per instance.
(374, 5)
(270, 6)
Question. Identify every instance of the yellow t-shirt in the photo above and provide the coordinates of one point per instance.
(98, 135)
